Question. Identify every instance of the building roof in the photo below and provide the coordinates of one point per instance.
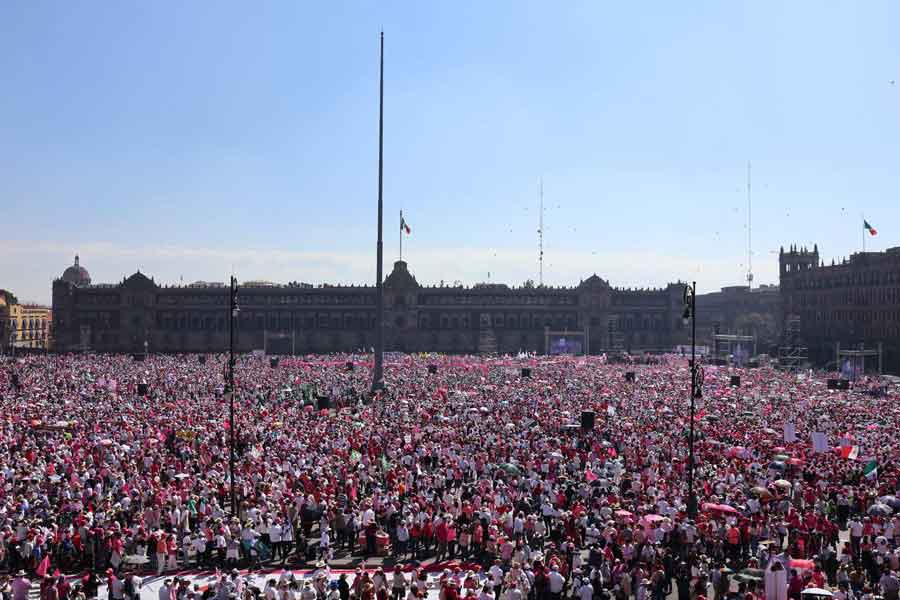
(76, 274)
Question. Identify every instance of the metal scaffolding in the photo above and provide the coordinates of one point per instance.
(734, 349)
(852, 363)
(792, 353)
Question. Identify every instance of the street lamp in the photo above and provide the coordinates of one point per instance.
(233, 311)
(690, 312)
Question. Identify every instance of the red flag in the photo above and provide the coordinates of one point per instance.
(589, 475)
(849, 452)
(42, 568)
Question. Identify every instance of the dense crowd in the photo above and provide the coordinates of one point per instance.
(110, 467)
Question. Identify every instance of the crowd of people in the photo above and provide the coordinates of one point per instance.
(112, 469)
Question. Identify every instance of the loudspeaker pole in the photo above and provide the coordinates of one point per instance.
(378, 371)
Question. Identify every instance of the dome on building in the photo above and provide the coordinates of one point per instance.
(76, 274)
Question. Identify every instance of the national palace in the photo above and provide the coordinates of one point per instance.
(138, 313)
(853, 301)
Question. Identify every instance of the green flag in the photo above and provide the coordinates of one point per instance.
(871, 469)
(384, 462)
(354, 457)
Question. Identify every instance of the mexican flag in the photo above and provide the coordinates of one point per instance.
(869, 228)
(405, 227)
(850, 452)
(871, 469)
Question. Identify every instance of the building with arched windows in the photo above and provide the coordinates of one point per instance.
(24, 326)
(852, 302)
(138, 313)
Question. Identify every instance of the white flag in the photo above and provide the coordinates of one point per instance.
(820, 442)
(790, 433)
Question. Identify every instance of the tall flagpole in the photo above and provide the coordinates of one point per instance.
(541, 238)
(401, 235)
(864, 231)
(378, 372)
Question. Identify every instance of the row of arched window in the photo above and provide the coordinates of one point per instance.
(261, 321)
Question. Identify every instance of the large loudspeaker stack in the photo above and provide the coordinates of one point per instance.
(273, 362)
(138, 357)
(432, 369)
(587, 420)
(323, 403)
(629, 376)
(143, 388)
(735, 381)
(349, 365)
(526, 372)
(202, 359)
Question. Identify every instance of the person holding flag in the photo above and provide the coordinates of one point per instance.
(871, 469)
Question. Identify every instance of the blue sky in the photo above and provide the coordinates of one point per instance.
(184, 138)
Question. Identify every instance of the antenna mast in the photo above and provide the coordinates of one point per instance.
(749, 232)
(541, 237)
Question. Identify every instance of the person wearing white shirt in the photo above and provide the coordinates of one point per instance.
(402, 535)
(592, 535)
(200, 548)
(399, 584)
(586, 591)
(367, 517)
(496, 573)
(514, 593)
(287, 539)
(556, 582)
(275, 539)
(856, 530)
(325, 544)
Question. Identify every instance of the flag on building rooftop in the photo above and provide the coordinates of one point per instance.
(869, 228)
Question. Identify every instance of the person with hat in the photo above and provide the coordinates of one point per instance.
(379, 580)
(307, 593)
(20, 585)
(344, 586)
(399, 583)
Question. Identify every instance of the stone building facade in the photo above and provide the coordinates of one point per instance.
(852, 302)
(741, 310)
(138, 313)
(25, 326)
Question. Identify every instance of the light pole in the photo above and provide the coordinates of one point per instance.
(233, 311)
(690, 312)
